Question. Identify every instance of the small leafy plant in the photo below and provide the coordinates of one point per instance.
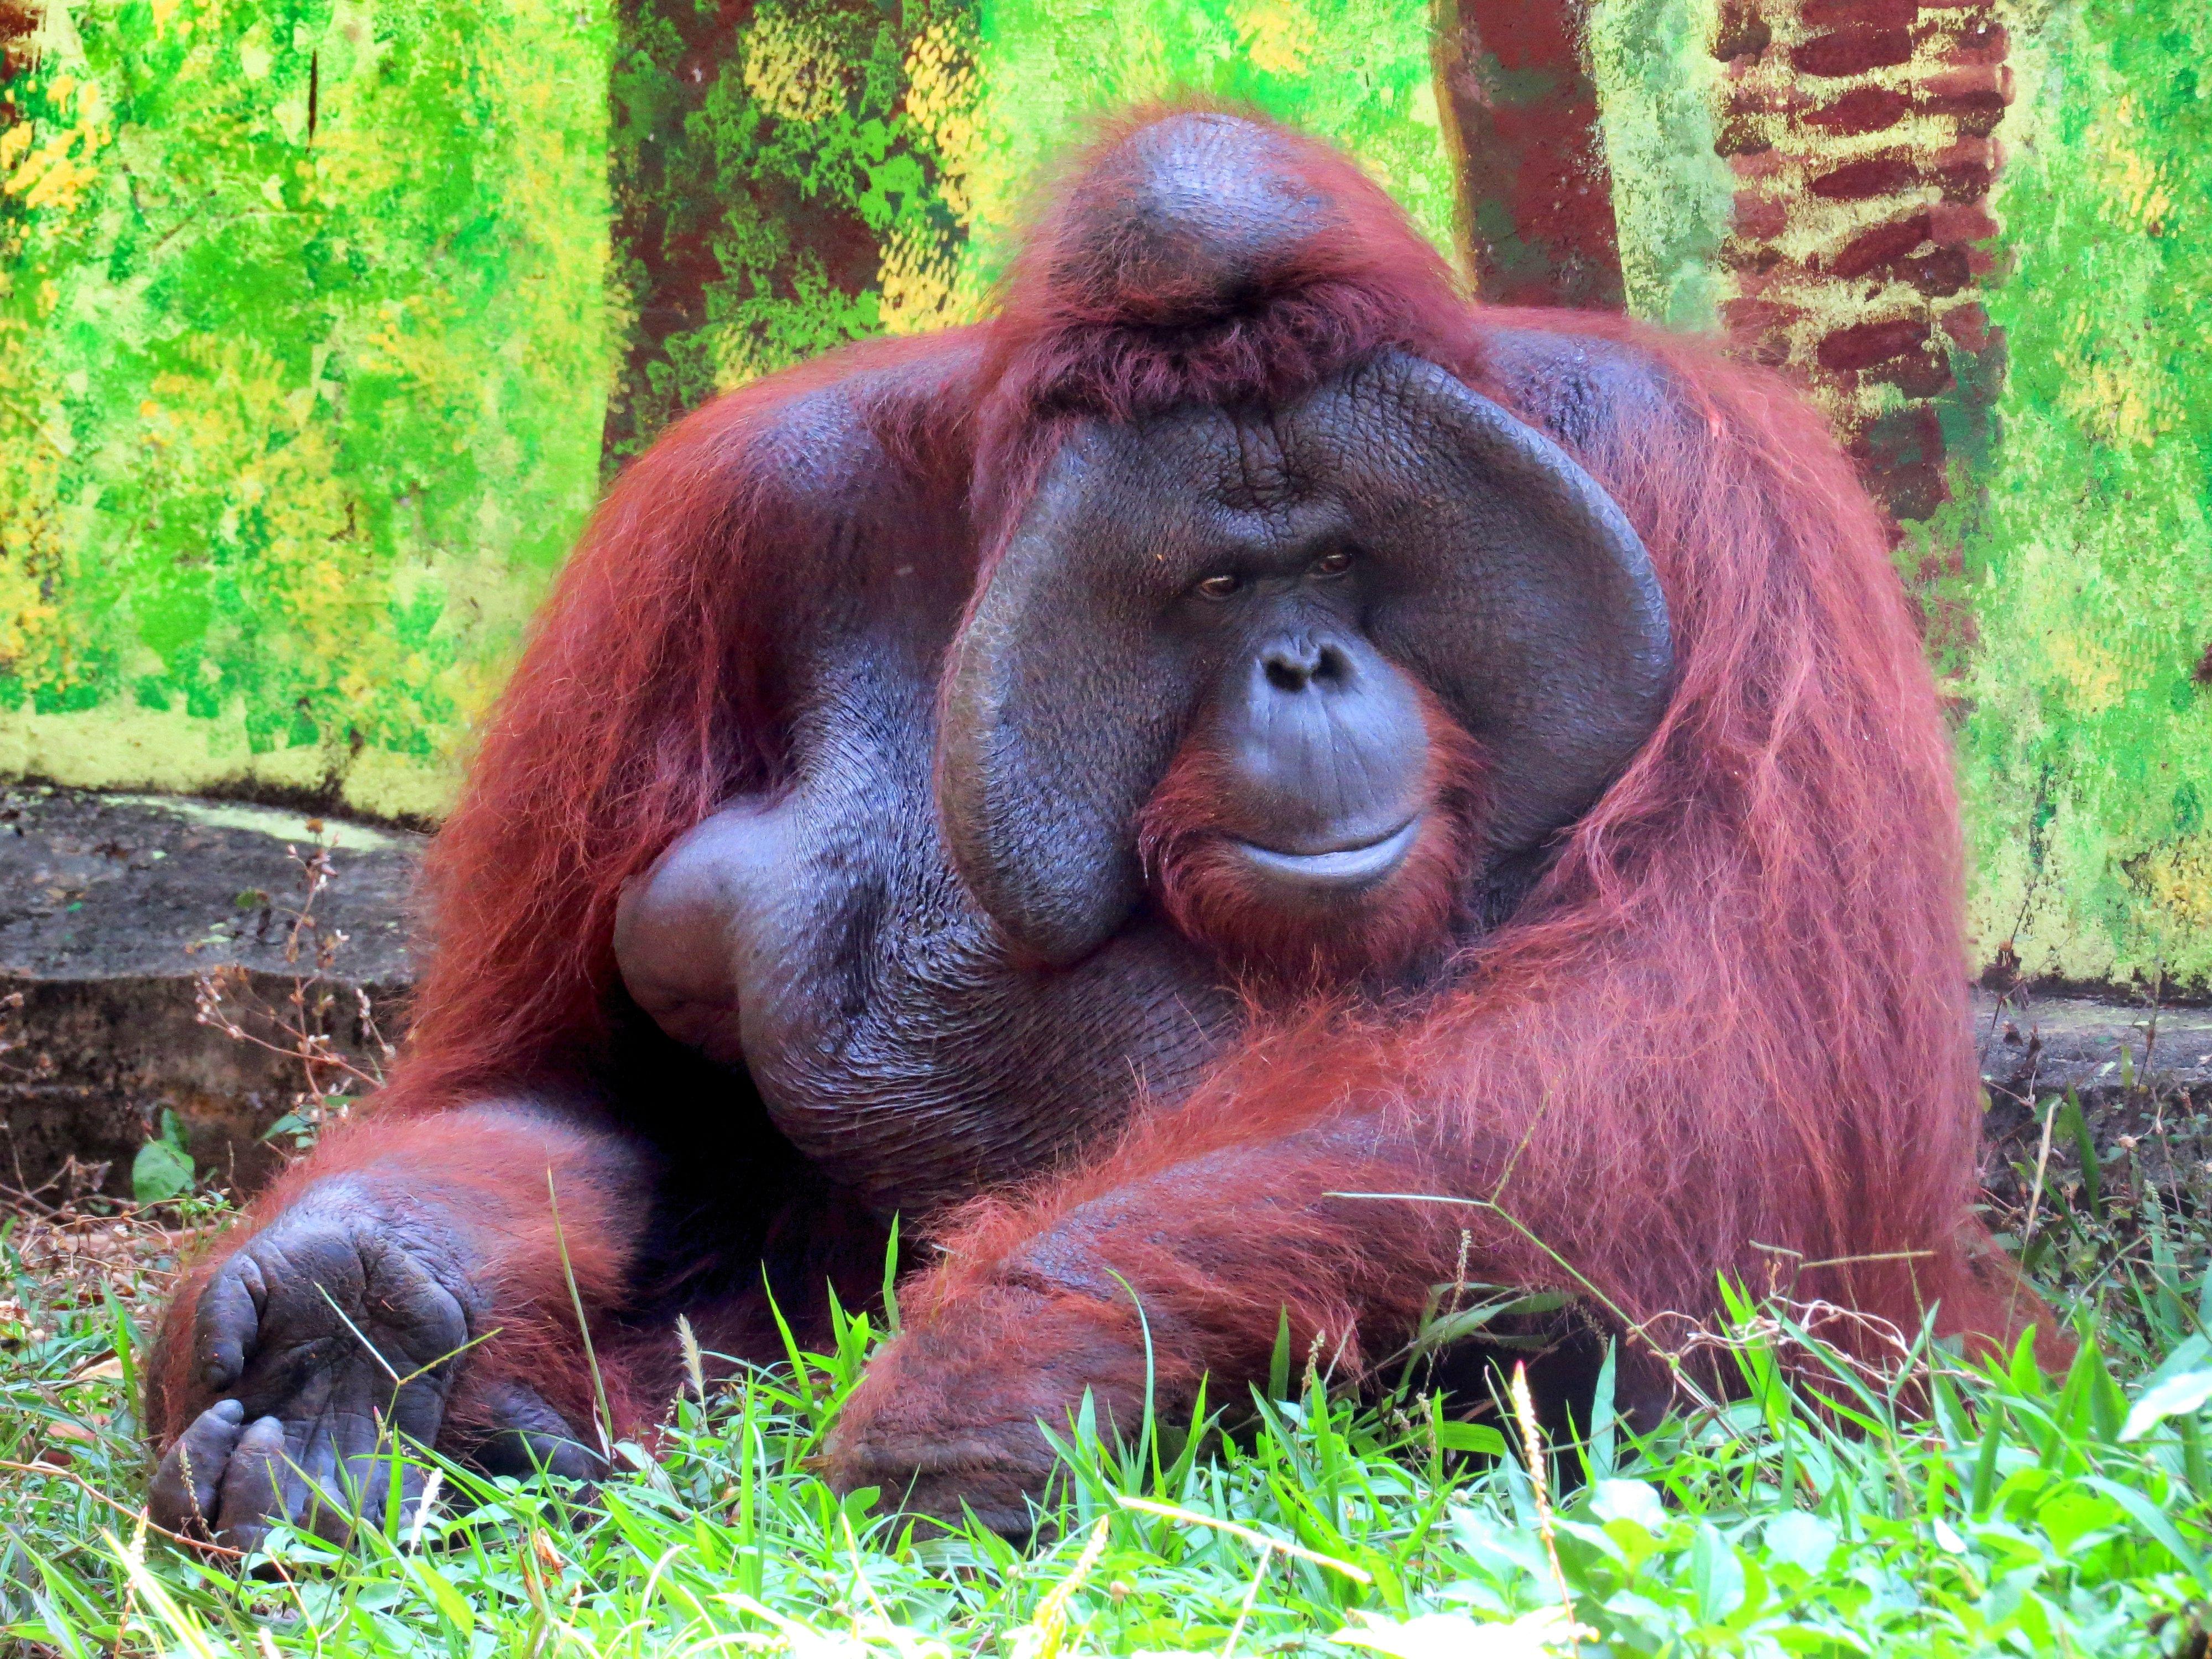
(163, 1167)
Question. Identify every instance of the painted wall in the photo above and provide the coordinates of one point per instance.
(1360, 71)
(322, 322)
(1979, 232)
(303, 360)
(785, 178)
(2088, 747)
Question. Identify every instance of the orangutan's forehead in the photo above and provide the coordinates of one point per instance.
(1246, 459)
(1267, 459)
(1247, 485)
(1264, 474)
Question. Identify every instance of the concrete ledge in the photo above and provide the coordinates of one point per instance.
(112, 909)
(2144, 1076)
(2033, 1046)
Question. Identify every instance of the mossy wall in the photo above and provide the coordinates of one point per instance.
(322, 322)
(303, 360)
(2087, 751)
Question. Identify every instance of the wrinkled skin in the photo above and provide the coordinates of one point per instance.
(930, 950)
(335, 1337)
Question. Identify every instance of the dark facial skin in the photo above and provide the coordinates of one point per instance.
(961, 1063)
(1391, 527)
(1319, 744)
(819, 937)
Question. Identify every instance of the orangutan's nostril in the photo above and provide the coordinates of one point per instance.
(1293, 665)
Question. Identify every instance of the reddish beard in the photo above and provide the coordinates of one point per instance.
(1211, 894)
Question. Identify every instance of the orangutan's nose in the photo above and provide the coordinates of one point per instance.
(1292, 665)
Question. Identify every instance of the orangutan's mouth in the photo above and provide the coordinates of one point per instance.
(1336, 869)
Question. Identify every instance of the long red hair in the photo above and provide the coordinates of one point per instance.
(1726, 1033)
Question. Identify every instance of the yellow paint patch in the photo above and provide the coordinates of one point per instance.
(2178, 879)
(167, 751)
(2098, 676)
(2121, 164)
(794, 67)
(1280, 40)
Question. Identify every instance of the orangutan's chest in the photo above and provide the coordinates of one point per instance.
(820, 940)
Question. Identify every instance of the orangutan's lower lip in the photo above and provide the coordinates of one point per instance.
(1345, 869)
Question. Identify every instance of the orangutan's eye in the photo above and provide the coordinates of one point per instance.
(1219, 588)
(1330, 564)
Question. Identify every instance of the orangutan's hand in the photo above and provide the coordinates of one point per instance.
(334, 1338)
(948, 1413)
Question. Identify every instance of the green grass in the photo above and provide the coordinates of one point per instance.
(2016, 1513)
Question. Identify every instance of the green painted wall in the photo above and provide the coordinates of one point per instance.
(786, 176)
(1358, 72)
(321, 320)
(303, 357)
(2088, 752)
(1672, 195)
(2069, 582)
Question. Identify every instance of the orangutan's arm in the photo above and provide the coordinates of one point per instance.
(412, 1277)
(1036, 1302)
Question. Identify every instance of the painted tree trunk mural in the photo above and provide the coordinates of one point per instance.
(1834, 118)
(784, 178)
(17, 21)
(1860, 132)
(322, 323)
(1520, 109)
